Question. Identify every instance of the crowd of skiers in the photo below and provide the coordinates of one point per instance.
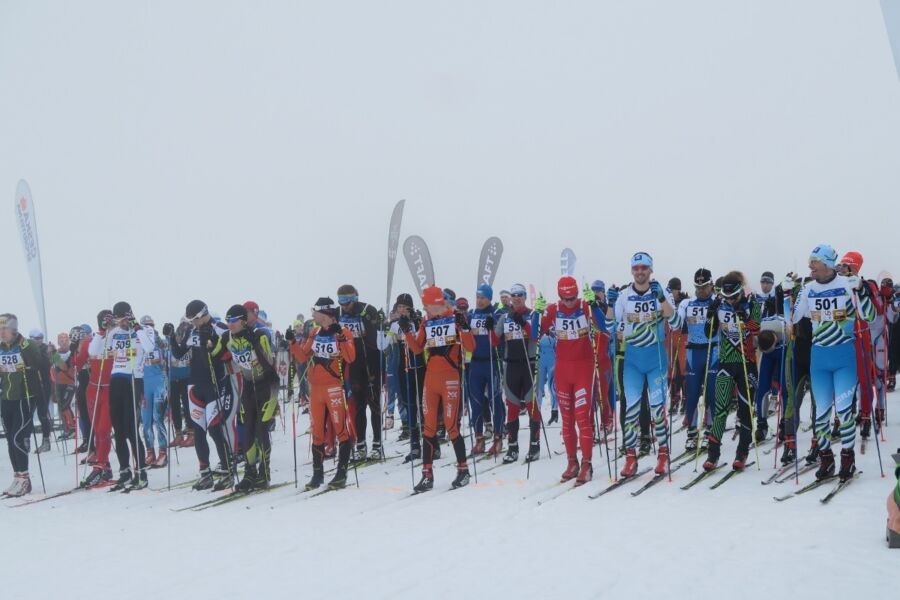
(619, 361)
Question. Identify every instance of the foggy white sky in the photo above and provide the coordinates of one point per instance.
(237, 150)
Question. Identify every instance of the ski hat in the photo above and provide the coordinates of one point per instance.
(885, 275)
(264, 316)
(504, 293)
(122, 310)
(518, 289)
(702, 277)
(195, 309)
(825, 254)
(326, 306)
(485, 291)
(853, 259)
(147, 320)
(236, 313)
(567, 287)
(598, 286)
(449, 295)
(86, 329)
(9, 320)
(36, 334)
(404, 300)
(675, 284)
(251, 305)
(731, 286)
(462, 304)
(767, 277)
(642, 258)
(433, 295)
(102, 316)
(347, 293)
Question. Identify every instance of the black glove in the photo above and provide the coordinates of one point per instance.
(742, 314)
(207, 334)
(289, 334)
(333, 329)
(404, 324)
(519, 319)
(489, 322)
(714, 307)
(168, 330)
(462, 322)
(73, 346)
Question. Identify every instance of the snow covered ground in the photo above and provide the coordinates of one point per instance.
(492, 538)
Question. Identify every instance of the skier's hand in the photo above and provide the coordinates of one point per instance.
(168, 330)
(404, 323)
(73, 346)
(612, 294)
(788, 283)
(289, 334)
(489, 322)
(657, 289)
(540, 304)
(588, 293)
(518, 318)
(462, 322)
(853, 282)
(333, 329)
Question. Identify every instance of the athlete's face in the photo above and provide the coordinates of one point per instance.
(703, 291)
(7, 334)
(766, 286)
(819, 270)
(252, 316)
(481, 302)
(504, 299)
(517, 301)
(322, 320)
(641, 274)
(435, 310)
(236, 326)
(600, 296)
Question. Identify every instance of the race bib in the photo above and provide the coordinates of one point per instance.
(824, 310)
(193, 339)
(11, 361)
(440, 332)
(512, 330)
(244, 358)
(571, 328)
(354, 324)
(696, 315)
(638, 310)
(478, 324)
(325, 346)
(728, 321)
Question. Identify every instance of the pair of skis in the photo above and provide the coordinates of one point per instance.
(841, 486)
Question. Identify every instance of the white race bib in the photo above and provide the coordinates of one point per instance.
(11, 361)
(440, 332)
(571, 328)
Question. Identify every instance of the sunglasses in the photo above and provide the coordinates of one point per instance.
(233, 320)
(347, 299)
(729, 291)
(517, 295)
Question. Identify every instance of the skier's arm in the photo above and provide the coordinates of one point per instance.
(347, 347)
(416, 339)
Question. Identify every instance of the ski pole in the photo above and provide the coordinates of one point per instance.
(347, 423)
(664, 416)
(412, 469)
(462, 385)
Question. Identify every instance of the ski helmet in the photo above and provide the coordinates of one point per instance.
(122, 310)
(102, 317)
(702, 277)
(598, 286)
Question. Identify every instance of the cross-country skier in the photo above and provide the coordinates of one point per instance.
(153, 409)
(640, 311)
(830, 301)
(329, 349)
(446, 336)
(410, 372)
(484, 378)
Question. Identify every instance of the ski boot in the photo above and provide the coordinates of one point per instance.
(534, 452)
(631, 463)
(318, 478)
(138, 482)
(512, 453)
(478, 448)
(762, 431)
(645, 445)
(497, 446)
(404, 433)
(691, 443)
(248, 482)
(377, 453)
(225, 482)
(740, 461)
(571, 470)
(122, 482)
(415, 453)
(462, 477)
(789, 454)
(340, 477)
(21, 485)
(585, 474)
(662, 460)
(44, 447)
(554, 416)
(712, 454)
(826, 465)
(426, 484)
(848, 464)
(205, 482)
(96, 477)
(813, 456)
(360, 454)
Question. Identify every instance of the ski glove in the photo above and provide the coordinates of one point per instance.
(168, 330)
(404, 324)
(540, 304)
(462, 322)
(289, 334)
(588, 293)
(612, 294)
(333, 329)
(518, 318)
(657, 289)
(489, 322)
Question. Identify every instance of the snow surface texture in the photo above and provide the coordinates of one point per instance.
(492, 537)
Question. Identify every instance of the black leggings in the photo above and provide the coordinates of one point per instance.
(16, 416)
(411, 384)
(253, 400)
(122, 403)
(84, 420)
(178, 402)
(367, 392)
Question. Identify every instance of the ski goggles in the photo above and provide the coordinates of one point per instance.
(730, 290)
(233, 320)
(347, 299)
(517, 294)
(702, 283)
(203, 312)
